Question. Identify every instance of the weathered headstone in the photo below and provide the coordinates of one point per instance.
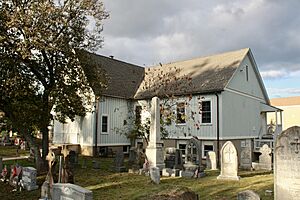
(119, 162)
(248, 195)
(154, 150)
(173, 158)
(246, 154)
(193, 166)
(45, 191)
(211, 161)
(265, 159)
(29, 178)
(155, 174)
(287, 165)
(67, 191)
(229, 162)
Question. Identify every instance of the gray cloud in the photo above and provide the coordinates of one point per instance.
(148, 32)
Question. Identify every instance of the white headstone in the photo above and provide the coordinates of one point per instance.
(287, 165)
(265, 159)
(229, 162)
(70, 191)
(211, 161)
(154, 150)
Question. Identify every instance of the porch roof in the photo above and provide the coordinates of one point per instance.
(269, 108)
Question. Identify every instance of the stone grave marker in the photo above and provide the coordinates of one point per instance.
(170, 157)
(265, 159)
(248, 195)
(229, 162)
(193, 166)
(155, 174)
(119, 162)
(287, 165)
(246, 154)
(211, 160)
(29, 178)
(154, 150)
(67, 191)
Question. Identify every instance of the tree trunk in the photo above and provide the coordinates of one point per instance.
(44, 125)
(40, 164)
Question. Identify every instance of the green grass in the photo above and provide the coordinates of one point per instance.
(106, 184)
(11, 151)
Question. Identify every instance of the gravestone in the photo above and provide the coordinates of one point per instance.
(29, 178)
(211, 160)
(67, 191)
(229, 162)
(248, 195)
(154, 150)
(246, 154)
(173, 158)
(193, 166)
(155, 174)
(265, 159)
(287, 165)
(119, 162)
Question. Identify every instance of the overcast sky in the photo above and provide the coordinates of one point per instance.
(146, 32)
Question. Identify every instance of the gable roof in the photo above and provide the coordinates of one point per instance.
(201, 75)
(197, 76)
(286, 101)
(123, 79)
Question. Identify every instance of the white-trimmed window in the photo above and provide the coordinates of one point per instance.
(180, 113)
(104, 124)
(206, 147)
(206, 112)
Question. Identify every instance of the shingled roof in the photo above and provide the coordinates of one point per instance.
(123, 79)
(201, 75)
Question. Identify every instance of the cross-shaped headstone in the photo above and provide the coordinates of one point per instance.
(296, 143)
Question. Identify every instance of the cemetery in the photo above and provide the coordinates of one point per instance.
(162, 173)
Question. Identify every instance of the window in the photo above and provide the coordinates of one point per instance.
(104, 124)
(208, 148)
(125, 149)
(180, 118)
(182, 148)
(247, 73)
(206, 112)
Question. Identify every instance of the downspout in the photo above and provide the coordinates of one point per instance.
(218, 131)
(96, 128)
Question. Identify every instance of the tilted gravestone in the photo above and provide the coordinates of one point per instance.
(211, 160)
(155, 174)
(70, 191)
(248, 195)
(287, 165)
(29, 178)
(229, 162)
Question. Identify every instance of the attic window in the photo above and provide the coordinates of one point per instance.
(247, 73)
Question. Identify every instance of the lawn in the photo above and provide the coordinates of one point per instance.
(106, 184)
(11, 151)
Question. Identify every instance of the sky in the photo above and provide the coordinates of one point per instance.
(148, 32)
